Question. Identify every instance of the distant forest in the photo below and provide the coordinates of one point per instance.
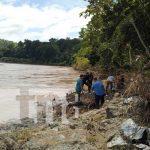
(54, 52)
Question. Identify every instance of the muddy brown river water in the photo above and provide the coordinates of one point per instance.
(19, 79)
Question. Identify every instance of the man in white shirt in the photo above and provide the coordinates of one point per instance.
(110, 81)
(111, 78)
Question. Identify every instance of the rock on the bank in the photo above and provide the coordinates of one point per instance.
(141, 136)
(3, 146)
(117, 141)
(129, 128)
(8, 144)
(141, 147)
(33, 146)
(74, 146)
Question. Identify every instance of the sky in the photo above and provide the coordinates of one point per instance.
(41, 19)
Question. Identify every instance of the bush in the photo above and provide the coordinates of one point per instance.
(81, 63)
(140, 86)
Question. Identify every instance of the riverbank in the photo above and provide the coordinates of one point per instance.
(29, 62)
(94, 129)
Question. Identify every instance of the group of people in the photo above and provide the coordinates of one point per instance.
(99, 87)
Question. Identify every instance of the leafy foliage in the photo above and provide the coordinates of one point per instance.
(81, 63)
(117, 33)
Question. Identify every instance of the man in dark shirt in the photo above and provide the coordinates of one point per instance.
(87, 80)
(90, 82)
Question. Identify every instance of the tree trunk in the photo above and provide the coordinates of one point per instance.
(130, 55)
(141, 40)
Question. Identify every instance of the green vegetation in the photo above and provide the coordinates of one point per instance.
(118, 33)
(54, 52)
(116, 36)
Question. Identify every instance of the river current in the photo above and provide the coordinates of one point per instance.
(18, 81)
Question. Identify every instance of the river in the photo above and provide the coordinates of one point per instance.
(19, 79)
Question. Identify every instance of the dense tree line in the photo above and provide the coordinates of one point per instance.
(56, 51)
(117, 34)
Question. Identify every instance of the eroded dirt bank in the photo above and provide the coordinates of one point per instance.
(95, 129)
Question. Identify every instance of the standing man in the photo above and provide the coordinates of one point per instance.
(90, 81)
(79, 86)
(110, 82)
(85, 79)
(99, 91)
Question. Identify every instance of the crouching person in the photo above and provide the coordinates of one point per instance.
(99, 90)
